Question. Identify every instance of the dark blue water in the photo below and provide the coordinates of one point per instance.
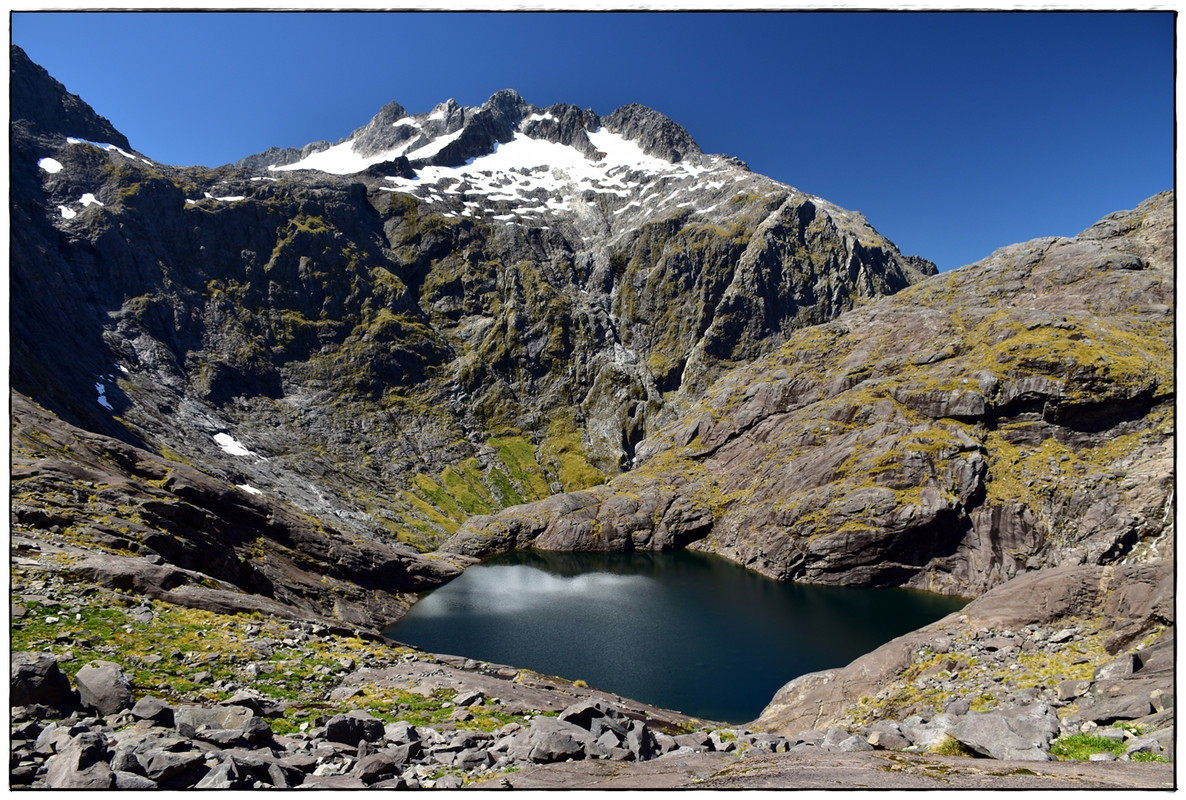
(683, 630)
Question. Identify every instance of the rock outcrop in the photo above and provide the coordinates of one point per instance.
(1009, 416)
(1088, 646)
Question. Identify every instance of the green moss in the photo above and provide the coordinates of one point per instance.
(518, 455)
(563, 450)
(471, 496)
(1082, 746)
(951, 746)
(507, 494)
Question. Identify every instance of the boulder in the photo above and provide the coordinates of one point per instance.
(80, 764)
(1106, 710)
(640, 740)
(377, 766)
(37, 679)
(172, 768)
(1121, 667)
(354, 727)
(584, 713)
(132, 780)
(189, 719)
(550, 739)
(103, 687)
(1009, 736)
(227, 775)
(154, 710)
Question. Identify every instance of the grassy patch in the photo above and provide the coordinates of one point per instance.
(1082, 746)
(563, 450)
(518, 455)
(951, 746)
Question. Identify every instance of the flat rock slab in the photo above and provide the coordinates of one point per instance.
(878, 770)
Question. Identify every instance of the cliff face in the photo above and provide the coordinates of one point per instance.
(1008, 416)
(410, 339)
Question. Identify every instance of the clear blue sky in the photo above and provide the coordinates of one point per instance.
(954, 133)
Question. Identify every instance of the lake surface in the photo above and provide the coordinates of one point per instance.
(682, 630)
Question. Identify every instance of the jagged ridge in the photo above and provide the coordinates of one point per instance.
(479, 353)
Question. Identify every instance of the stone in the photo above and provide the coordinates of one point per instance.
(468, 698)
(353, 727)
(103, 687)
(958, 707)
(1021, 736)
(376, 767)
(887, 740)
(36, 678)
(550, 740)
(584, 713)
(854, 744)
(227, 775)
(132, 780)
(53, 737)
(1069, 690)
(1105, 711)
(472, 758)
(81, 763)
(1121, 667)
(697, 740)
(260, 706)
(188, 719)
(167, 767)
(640, 741)
(154, 710)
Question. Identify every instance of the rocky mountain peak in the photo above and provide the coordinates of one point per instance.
(522, 294)
(40, 104)
(658, 135)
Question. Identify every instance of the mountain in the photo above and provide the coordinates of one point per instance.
(444, 314)
(256, 408)
(1012, 415)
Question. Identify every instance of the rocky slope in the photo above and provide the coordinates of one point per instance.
(1012, 415)
(254, 701)
(444, 314)
(126, 517)
(248, 402)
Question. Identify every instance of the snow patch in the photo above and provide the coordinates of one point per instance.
(102, 399)
(339, 159)
(230, 446)
(248, 488)
(50, 165)
(105, 146)
(67, 213)
(89, 199)
(435, 146)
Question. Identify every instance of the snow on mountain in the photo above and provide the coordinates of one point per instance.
(540, 170)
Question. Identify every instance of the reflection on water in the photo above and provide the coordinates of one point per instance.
(680, 630)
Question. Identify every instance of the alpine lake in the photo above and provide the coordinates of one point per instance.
(681, 630)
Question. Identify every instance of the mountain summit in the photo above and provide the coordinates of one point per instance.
(496, 303)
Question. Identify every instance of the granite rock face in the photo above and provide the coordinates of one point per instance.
(1012, 415)
(445, 314)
